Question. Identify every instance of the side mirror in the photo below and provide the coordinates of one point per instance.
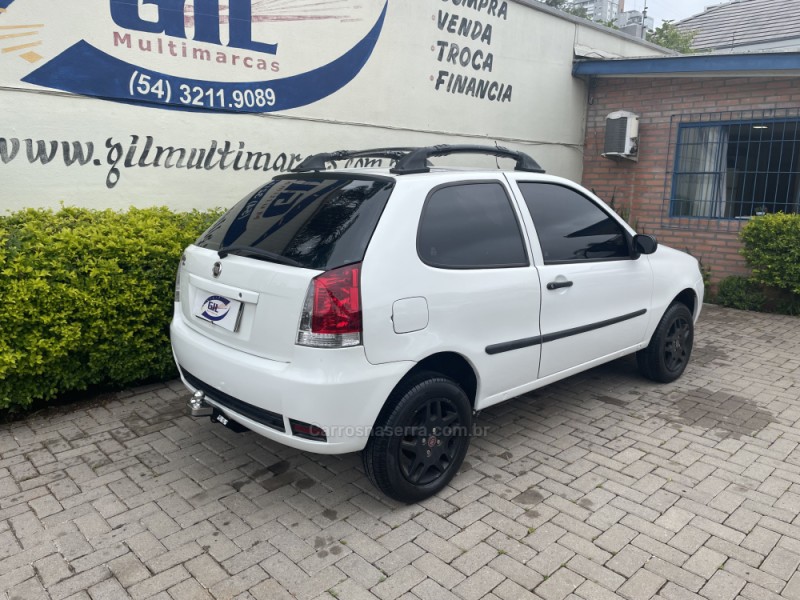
(644, 244)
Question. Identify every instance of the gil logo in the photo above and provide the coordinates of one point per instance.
(215, 308)
(160, 53)
(171, 21)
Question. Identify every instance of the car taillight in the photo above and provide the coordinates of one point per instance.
(178, 278)
(332, 310)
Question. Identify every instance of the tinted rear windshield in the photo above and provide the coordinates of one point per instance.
(320, 222)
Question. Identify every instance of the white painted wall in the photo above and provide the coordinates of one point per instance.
(69, 80)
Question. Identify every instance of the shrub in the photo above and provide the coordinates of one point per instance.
(772, 249)
(788, 305)
(87, 298)
(740, 292)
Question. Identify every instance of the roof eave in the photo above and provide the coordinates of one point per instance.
(710, 65)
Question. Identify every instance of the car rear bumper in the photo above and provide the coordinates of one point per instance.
(336, 390)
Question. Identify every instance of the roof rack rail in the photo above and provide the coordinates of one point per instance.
(416, 161)
(316, 162)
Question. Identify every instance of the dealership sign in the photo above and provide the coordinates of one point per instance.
(195, 103)
(173, 53)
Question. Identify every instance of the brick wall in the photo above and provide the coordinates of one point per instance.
(643, 187)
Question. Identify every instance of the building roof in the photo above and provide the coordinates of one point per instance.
(744, 23)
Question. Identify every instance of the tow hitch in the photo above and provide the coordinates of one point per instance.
(198, 407)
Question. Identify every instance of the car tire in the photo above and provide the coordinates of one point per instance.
(420, 438)
(670, 348)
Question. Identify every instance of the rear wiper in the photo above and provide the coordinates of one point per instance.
(271, 256)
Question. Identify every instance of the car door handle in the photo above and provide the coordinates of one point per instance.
(554, 285)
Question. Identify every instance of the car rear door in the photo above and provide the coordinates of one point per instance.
(596, 293)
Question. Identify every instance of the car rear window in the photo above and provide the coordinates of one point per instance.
(320, 222)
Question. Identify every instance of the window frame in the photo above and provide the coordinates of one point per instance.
(626, 229)
(678, 155)
(517, 220)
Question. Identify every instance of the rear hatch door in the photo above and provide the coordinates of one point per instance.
(244, 282)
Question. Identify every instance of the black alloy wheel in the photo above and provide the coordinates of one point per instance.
(678, 344)
(670, 348)
(420, 439)
(432, 443)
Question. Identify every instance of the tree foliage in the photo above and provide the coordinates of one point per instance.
(567, 7)
(669, 36)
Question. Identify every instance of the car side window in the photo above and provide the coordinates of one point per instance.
(470, 226)
(572, 228)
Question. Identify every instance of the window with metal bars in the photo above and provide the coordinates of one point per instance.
(737, 169)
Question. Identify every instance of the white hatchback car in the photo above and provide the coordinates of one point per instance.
(379, 309)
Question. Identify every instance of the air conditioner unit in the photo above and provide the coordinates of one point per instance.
(622, 136)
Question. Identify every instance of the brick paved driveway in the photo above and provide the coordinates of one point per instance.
(603, 486)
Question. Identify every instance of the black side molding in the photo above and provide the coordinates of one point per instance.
(513, 345)
(551, 337)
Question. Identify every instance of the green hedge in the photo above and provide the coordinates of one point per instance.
(87, 298)
(740, 292)
(772, 249)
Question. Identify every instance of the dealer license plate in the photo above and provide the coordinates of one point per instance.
(219, 310)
